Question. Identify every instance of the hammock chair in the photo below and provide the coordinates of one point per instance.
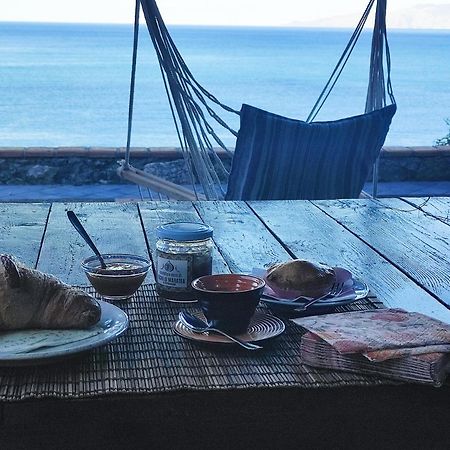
(275, 157)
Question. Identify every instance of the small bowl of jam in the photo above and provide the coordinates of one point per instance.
(121, 278)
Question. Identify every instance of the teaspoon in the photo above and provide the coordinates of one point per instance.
(197, 325)
(77, 225)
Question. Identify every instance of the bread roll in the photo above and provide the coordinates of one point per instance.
(299, 277)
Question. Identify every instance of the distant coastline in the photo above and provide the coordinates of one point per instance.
(425, 16)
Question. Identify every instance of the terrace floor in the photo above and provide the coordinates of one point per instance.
(124, 192)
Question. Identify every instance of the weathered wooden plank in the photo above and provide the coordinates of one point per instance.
(22, 226)
(312, 235)
(242, 238)
(158, 213)
(412, 240)
(438, 207)
(114, 227)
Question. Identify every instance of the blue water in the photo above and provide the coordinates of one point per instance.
(67, 85)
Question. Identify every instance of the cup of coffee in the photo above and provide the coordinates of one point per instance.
(228, 301)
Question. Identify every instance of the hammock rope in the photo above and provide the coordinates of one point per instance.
(377, 88)
(334, 77)
(190, 104)
(132, 83)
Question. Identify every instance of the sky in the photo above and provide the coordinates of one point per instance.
(206, 12)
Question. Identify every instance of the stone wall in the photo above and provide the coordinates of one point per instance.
(89, 165)
(415, 164)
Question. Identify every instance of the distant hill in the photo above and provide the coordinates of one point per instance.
(426, 16)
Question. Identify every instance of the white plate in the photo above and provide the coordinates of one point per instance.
(113, 322)
(262, 326)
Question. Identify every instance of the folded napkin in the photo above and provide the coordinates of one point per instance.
(380, 334)
(391, 342)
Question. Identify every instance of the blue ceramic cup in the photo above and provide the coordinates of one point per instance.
(228, 301)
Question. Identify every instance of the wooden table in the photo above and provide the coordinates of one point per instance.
(402, 252)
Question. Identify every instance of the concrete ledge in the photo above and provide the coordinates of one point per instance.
(92, 152)
(402, 152)
(175, 152)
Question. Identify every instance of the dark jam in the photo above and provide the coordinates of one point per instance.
(118, 280)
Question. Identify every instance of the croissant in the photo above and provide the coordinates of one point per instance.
(304, 277)
(32, 299)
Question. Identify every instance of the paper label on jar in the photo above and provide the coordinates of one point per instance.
(173, 272)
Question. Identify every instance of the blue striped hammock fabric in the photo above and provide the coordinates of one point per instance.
(275, 157)
(281, 158)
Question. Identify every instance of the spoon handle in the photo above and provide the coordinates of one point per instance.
(191, 321)
(246, 345)
(77, 225)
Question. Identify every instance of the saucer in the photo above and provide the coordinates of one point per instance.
(262, 326)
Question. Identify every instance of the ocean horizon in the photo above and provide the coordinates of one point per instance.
(68, 84)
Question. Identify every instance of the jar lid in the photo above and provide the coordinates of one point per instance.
(184, 231)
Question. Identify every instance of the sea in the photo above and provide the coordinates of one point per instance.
(68, 84)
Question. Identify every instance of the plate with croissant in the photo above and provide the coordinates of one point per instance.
(43, 319)
(294, 284)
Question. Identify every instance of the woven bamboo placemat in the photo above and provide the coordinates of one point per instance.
(150, 358)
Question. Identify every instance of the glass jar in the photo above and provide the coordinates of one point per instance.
(183, 253)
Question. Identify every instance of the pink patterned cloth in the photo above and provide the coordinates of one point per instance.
(381, 334)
